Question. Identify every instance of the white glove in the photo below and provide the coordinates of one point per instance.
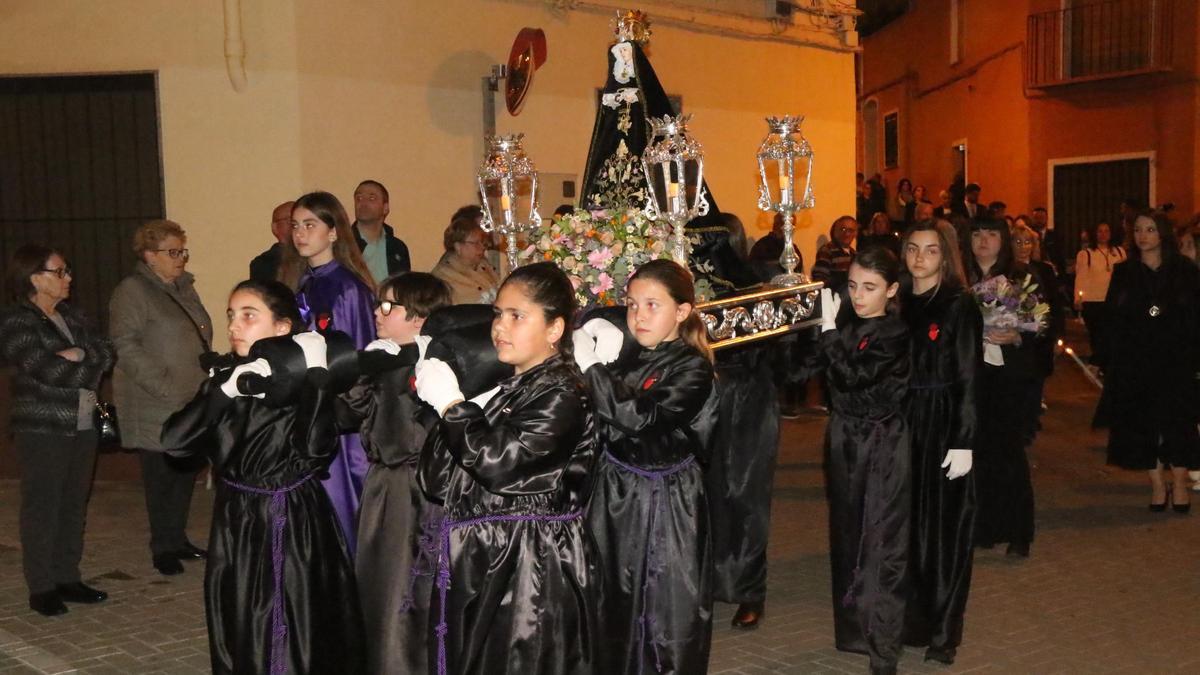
(313, 344)
(437, 385)
(383, 345)
(422, 345)
(830, 304)
(585, 350)
(608, 337)
(481, 400)
(257, 367)
(959, 463)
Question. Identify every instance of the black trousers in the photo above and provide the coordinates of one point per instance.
(56, 480)
(1095, 317)
(168, 486)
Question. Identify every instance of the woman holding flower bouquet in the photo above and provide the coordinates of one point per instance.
(1149, 399)
(946, 335)
(1013, 315)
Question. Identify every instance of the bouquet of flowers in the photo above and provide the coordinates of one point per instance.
(1005, 304)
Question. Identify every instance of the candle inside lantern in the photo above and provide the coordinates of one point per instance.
(505, 202)
(672, 189)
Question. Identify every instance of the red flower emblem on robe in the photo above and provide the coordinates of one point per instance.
(412, 383)
(323, 322)
(649, 382)
(862, 344)
(933, 332)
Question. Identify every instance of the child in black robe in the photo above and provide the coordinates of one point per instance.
(864, 355)
(393, 423)
(278, 587)
(648, 514)
(516, 587)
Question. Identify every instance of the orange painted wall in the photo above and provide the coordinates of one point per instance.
(1012, 134)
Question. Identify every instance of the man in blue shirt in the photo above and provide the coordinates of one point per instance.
(384, 253)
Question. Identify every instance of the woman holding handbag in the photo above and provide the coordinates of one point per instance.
(160, 330)
(57, 361)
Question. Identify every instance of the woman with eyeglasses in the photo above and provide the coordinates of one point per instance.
(57, 360)
(160, 330)
(463, 267)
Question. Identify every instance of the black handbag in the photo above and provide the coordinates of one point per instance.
(104, 420)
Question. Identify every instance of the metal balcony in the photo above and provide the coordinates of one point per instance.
(1099, 41)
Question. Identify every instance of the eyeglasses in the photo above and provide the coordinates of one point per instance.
(385, 307)
(470, 242)
(175, 253)
(61, 273)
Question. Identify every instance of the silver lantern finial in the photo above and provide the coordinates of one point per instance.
(674, 170)
(785, 148)
(508, 188)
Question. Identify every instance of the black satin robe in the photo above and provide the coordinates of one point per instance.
(945, 328)
(257, 445)
(741, 473)
(522, 596)
(393, 514)
(651, 529)
(868, 479)
(1150, 396)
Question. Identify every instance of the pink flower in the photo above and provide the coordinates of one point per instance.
(576, 282)
(600, 258)
(603, 283)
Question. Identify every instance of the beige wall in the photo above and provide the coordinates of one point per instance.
(388, 89)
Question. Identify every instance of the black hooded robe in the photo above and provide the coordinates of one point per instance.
(393, 514)
(945, 328)
(517, 588)
(868, 479)
(648, 514)
(286, 450)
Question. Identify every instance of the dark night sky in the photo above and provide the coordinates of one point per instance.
(878, 13)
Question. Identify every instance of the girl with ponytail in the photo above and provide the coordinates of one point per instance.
(648, 513)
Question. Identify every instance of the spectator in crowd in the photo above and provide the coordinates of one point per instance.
(1093, 271)
(764, 256)
(924, 211)
(880, 233)
(265, 267)
(463, 267)
(998, 209)
(383, 252)
(833, 259)
(562, 210)
(900, 208)
(945, 207)
(1027, 252)
(1130, 209)
(865, 201)
(57, 360)
(970, 208)
(1186, 235)
(1005, 512)
(1053, 247)
(160, 330)
(1150, 397)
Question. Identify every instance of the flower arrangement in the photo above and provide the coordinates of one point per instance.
(1008, 305)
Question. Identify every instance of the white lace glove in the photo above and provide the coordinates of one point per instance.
(437, 385)
(258, 367)
(608, 339)
(383, 345)
(313, 344)
(959, 463)
(830, 304)
(585, 350)
(481, 400)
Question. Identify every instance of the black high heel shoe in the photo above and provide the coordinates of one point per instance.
(1159, 508)
(1181, 508)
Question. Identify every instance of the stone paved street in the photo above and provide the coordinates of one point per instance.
(1110, 587)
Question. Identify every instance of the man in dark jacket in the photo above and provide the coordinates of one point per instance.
(266, 266)
(384, 253)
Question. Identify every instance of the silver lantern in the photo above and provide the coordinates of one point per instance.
(508, 188)
(674, 170)
(784, 152)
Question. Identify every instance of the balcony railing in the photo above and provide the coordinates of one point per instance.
(1104, 40)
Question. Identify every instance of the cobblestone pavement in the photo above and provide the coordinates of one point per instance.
(1110, 587)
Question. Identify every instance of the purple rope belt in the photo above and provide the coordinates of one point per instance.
(651, 565)
(443, 562)
(277, 511)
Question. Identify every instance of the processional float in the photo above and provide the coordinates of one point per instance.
(643, 186)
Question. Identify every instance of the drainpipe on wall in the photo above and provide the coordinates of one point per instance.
(235, 47)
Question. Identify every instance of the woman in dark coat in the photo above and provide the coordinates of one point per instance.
(945, 328)
(1149, 399)
(279, 588)
(865, 359)
(1027, 251)
(517, 587)
(1006, 379)
(57, 360)
(648, 513)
